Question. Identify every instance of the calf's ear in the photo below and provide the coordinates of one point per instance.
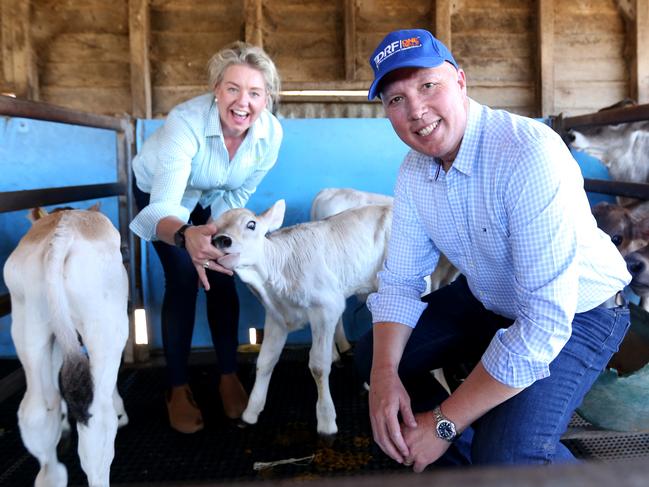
(36, 214)
(274, 215)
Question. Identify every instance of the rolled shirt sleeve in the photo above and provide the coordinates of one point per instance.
(544, 250)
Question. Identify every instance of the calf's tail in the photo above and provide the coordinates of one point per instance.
(75, 380)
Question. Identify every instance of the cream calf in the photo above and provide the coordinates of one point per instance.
(66, 280)
(330, 201)
(303, 274)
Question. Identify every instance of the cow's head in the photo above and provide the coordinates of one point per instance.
(627, 233)
(241, 234)
(608, 143)
(638, 265)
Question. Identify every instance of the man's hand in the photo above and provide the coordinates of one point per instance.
(424, 445)
(387, 399)
(204, 255)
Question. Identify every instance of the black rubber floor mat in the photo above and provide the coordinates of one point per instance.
(148, 451)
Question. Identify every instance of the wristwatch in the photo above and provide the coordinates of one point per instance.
(444, 427)
(179, 236)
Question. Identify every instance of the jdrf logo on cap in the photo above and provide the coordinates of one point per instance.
(395, 47)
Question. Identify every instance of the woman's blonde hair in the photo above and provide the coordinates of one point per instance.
(247, 54)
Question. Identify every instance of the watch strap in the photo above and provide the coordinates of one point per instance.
(179, 236)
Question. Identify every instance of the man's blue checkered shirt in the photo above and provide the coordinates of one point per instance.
(512, 215)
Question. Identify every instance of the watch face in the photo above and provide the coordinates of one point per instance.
(445, 430)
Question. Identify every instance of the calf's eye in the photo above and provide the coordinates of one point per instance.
(251, 225)
(617, 240)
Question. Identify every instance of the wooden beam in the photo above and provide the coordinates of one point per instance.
(254, 18)
(19, 60)
(545, 58)
(442, 21)
(139, 32)
(351, 8)
(640, 63)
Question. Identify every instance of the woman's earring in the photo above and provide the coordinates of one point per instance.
(216, 100)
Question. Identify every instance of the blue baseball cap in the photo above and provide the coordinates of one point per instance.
(411, 48)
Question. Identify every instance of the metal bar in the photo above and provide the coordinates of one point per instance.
(20, 200)
(14, 107)
(636, 113)
(5, 305)
(617, 188)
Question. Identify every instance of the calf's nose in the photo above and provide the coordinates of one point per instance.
(635, 266)
(222, 241)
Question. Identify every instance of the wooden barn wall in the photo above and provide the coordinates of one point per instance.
(82, 49)
(533, 57)
(493, 41)
(590, 69)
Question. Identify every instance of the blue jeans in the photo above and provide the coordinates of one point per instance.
(179, 305)
(456, 328)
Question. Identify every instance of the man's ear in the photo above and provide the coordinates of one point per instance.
(274, 215)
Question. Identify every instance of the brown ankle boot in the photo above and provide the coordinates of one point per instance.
(184, 415)
(233, 395)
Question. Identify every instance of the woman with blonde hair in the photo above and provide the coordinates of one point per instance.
(209, 156)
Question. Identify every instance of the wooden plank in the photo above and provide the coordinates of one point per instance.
(640, 64)
(351, 6)
(545, 58)
(307, 16)
(498, 4)
(497, 45)
(86, 47)
(442, 22)
(604, 69)
(254, 21)
(589, 22)
(396, 14)
(589, 45)
(109, 101)
(19, 61)
(173, 72)
(166, 97)
(570, 99)
(309, 69)
(71, 74)
(189, 47)
(210, 17)
(103, 17)
(139, 37)
(305, 46)
(492, 20)
(501, 70)
(503, 96)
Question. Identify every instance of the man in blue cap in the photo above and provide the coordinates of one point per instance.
(537, 307)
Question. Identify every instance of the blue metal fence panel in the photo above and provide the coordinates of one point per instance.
(36, 154)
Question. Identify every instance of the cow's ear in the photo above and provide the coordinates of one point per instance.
(95, 207)
(642, 228)
(274, 215)
(601, 208)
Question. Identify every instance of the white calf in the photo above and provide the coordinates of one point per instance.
(623, 148)
(301, 274)
(66, 280)
(330, 201)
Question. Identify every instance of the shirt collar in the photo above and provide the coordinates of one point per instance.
(467, 154)
(258, 130)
